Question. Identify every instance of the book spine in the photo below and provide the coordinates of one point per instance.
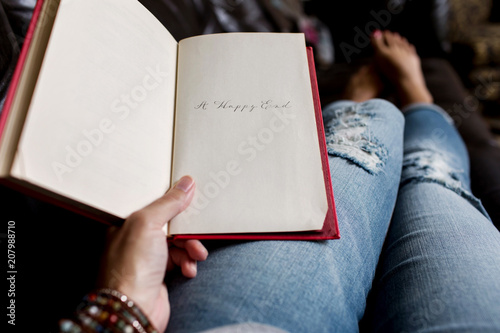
(20, 65)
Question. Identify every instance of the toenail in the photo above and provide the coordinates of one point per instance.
(377, 33)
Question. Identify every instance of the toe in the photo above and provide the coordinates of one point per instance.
(412, 48)
(364, 69)
(390, 38)
(378, 40)
(409, 45)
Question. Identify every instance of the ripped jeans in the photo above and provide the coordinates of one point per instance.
(417, 250)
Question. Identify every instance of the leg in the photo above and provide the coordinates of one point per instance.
(441, 261)
(308, 286)
(483, 150)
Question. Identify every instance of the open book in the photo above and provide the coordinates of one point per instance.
(106, 110)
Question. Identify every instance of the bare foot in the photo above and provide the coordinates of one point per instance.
(397, 59)
(363, 85)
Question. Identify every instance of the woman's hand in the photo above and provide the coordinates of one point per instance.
(138, 255)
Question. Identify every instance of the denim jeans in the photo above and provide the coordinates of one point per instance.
(403, 202)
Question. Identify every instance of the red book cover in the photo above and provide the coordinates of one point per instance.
(19, 66)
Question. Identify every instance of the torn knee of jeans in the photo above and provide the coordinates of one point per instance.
(348, 137)
(423, 164)
(426, 165)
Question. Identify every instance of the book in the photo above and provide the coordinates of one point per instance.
(106, 110)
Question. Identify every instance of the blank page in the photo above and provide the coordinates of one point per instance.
(100, 125)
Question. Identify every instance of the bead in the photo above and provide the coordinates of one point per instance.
(93, 310)
(120, 324)
(105, 311)
(66, 325)
(87, 320)
(104, 315)
(93, 325)
(128, 315)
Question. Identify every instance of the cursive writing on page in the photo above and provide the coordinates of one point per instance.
(245, 130)
(242, 107)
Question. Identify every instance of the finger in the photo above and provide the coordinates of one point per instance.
(111, 233)
(111, 230)
(194, 248)
(181, 258)
(170, 204)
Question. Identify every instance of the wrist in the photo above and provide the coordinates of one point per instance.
(108, 309)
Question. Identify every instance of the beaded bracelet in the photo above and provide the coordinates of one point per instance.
(107, 310)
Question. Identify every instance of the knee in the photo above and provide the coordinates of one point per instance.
(353, 131)
(428, 165)
(425, 164)
(384, 110)
(340, 113)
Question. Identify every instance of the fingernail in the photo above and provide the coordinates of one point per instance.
(205, 253)
(185, 184)
(377, 33)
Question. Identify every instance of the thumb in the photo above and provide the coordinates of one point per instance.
(170, 204)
